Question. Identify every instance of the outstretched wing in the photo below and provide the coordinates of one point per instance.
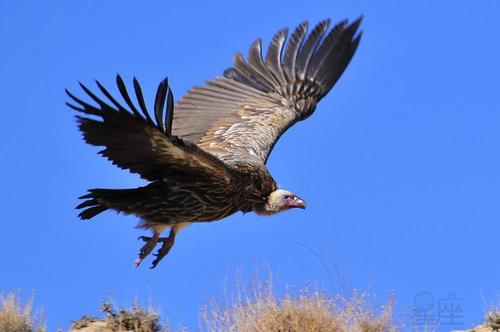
(134, 141)
(241, 116)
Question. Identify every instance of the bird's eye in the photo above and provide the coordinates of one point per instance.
(286, 197)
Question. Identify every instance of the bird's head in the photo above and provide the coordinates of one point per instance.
(280, 200)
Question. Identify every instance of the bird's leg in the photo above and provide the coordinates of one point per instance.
(147, 248)
(168, 243)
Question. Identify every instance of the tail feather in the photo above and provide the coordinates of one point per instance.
(121, 200)
(92, 212)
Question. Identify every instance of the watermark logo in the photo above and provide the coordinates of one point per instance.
(437, 314)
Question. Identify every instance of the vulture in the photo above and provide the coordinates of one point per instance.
(207, 160)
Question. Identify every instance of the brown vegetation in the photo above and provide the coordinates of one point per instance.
(137, 319)
(16, 317)
(307, 311)
(263, 311)
(493, 319)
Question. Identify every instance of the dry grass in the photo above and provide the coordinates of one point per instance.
(493, 319)
(16, 317)
(255, 311)
(307, 311)
(137, 319)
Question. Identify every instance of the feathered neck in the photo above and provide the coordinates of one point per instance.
(265, 209)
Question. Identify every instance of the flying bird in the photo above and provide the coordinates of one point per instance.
(207, 160)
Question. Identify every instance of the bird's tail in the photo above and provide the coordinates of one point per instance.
(121, 200)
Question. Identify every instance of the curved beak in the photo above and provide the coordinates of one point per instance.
(298, 203)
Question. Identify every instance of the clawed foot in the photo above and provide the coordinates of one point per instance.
(151, 243)
(168, 243)
(147, 248)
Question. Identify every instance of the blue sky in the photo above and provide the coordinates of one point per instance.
(399, 165)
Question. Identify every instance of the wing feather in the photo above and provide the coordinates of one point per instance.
(126, 97)
(161, 97)
(292, 50)
(273, 57)
(140, 100)
(169, 115)
(252, 76)
(326, 48)
(111, 98)
(257, 63)
(239, 117)
(309, 47)
(134, 141)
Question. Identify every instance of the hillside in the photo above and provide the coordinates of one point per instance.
(306, 311)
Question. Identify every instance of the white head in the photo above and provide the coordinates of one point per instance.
(281, 200)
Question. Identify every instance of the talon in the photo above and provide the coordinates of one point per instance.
(146, 248)
(168, 243)
(155, 262)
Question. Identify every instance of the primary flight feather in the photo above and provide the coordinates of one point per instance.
(206, 160)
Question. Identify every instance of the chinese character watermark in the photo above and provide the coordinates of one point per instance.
(442, 313)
